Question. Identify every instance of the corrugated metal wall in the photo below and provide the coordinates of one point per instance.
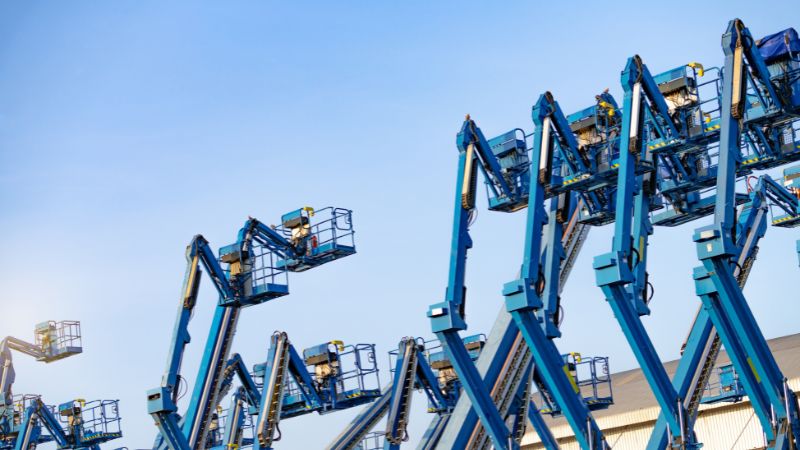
(734, 428)
(719, 427)
(728, 428)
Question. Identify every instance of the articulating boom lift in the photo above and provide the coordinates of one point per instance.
(778, 86)
(621, 274)
(702, 346)
(255, 272)
(769, 140)
(416, 366)
(73, 425)
(530, 302)
(445, 320)
(320, 381)
(668, 139)
(592, 146)
(508, 191)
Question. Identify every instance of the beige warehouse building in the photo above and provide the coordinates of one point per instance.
(722, 426)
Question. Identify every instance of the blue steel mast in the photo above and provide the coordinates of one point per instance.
(523, 298)
(703, 342)
(447, 317)
(774, 404)
(615, 271)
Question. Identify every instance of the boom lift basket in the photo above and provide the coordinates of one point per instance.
(693, 103)
(783, 220)
(356, 382)
(256, 273)
(591, 377)
(12, 417)
(597, 135)
(319, 237)
(443, 367)
(512, 155)
(344, 376)
(58, 340)
(781, 53)
(726, 386)
(374, 440)
(90, 423)
(20, 404)
(781, 217)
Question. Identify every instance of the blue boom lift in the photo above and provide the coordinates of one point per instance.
(769, 140)
(670, 134)
(521, 183)
(251, 271)
(328, 377)
(508, 191)
(72, 425)
(670, 155)
(760, 87)
(417, 365)
(594, 129)
(622, 273)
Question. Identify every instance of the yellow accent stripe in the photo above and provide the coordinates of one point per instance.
(753, 368)
(662, 144)
(575, 180)
(571, 380)
(192, 274)
(641, 248)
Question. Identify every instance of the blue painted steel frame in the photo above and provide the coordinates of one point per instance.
(190, 431)
(751, 229)
(447, 318)
(522, 297)
(37, 415)
(476, 390)
(502, 339)
(775, 405)
(422, 377)
(160, 400)
(613, 273)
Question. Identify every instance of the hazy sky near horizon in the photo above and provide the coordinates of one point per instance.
(128, 127)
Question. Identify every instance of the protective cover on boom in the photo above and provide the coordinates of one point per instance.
(779, 45)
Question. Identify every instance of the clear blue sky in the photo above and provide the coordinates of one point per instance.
(127, 127)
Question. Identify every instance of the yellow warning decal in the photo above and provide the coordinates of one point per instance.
(571, 380)
(753, 368)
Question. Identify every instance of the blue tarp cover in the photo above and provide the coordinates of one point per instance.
(773, 46)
